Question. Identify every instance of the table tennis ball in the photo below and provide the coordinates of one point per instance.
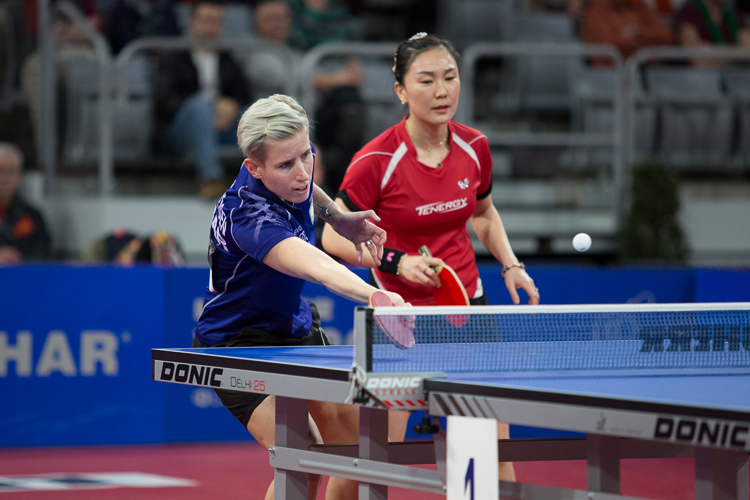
(582, 242)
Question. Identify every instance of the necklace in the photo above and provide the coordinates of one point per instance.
(440, 146)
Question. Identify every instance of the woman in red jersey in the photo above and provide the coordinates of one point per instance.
(426, 177)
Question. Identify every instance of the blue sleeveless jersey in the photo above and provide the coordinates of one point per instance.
(243, 292)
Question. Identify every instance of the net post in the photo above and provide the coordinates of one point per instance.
(362, 341)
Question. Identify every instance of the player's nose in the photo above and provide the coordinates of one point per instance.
(440, 88)
(300, 170)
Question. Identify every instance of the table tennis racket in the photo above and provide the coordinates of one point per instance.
(398, 328)
(452, 291)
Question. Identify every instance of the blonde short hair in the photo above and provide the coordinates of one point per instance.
(277, 117)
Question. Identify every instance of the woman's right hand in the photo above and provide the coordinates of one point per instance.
(419, 269)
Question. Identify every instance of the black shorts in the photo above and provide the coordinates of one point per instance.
(243, 404)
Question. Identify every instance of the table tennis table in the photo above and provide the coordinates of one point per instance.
(697, 407)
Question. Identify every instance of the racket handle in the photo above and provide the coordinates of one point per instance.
(425, 252)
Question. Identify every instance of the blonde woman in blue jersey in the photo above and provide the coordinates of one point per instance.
(261, 252)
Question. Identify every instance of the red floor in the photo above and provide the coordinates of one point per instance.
(241, 471)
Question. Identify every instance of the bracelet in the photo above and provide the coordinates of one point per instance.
(390, 261)
(398, 265)
(519, 265)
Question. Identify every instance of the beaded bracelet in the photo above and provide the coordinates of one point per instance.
(520, 265)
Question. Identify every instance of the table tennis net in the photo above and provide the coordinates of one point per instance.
(522, 338)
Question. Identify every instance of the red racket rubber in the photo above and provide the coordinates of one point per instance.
(398, 329)
(451, 293)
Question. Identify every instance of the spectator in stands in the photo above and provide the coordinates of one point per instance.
(199, 97)
(340, 111)
(627, 24)
(706, 23)
(71, 43)
(267, 72)
(23, 232)
(127, 20)
(320, 21)
(89, 9)
(426, 177)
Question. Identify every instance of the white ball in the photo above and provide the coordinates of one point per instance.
(582, 242)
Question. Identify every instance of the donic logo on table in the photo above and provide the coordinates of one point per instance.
(702, 432)
(696, 338)
(393, 382)
(190, 374)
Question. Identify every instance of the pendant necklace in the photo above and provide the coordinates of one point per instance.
(429, 152)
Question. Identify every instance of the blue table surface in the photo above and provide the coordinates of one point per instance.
(729, 391)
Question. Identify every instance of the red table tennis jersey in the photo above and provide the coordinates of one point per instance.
(421, 205)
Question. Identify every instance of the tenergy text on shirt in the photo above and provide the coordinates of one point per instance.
(440, 206)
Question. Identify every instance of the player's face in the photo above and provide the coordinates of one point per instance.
(431, 87)
(287, 170)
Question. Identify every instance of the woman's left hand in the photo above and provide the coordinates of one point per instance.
(516, 278)
(355, 227)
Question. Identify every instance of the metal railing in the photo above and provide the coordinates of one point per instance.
(113, 86)
(313, 58)
(504, 50)
(47, 143)
(635, 64)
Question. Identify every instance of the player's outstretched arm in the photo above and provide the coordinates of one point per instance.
(353, 227)
(300, 259)
(414, 268)
(489, 228)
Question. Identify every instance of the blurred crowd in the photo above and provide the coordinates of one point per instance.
(633, 24)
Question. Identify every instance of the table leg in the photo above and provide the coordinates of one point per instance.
(292, 431)
(373, 445)
(720, 474)
(603, 463)
(441, 450)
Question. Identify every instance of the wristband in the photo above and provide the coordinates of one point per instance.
(390, 261)
(520, 265)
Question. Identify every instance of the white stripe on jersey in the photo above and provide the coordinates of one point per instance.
(234, 271)
(466, 147)
(400, 152)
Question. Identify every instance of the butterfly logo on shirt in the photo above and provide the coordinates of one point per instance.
(464, 183)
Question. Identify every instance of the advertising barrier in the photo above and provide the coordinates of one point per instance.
(75, 342)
